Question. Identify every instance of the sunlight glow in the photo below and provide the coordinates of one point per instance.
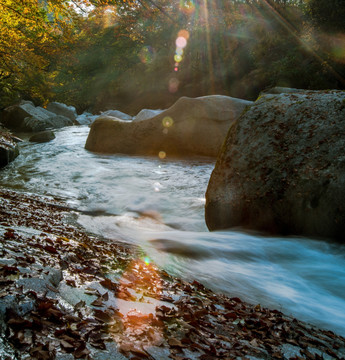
(139, 293)
(208, 42)
(338, 47)
(109, 16)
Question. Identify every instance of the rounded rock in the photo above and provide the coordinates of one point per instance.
(282, 168)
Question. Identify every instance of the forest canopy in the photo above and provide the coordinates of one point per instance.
(99, 54)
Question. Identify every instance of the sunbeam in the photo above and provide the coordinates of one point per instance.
(292, 30)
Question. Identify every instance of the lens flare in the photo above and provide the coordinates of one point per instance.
(139, 288)
(183, 33)
(178, 58)
(173, 87)
(157, 186)
(181, 42)
(162, 154)
(179, 51)
(168, 121)
(187, 6)
(146, 54)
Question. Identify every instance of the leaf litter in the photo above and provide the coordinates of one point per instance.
(64, 292)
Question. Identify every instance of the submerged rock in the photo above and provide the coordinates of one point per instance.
(282, 167)
(43, 136)
(189, 127)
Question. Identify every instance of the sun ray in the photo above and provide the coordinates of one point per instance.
(290, 28)
(209, 48)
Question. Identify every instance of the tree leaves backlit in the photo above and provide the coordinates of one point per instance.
(98, 53)
(32, 32)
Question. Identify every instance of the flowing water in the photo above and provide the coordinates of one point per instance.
(159, 205)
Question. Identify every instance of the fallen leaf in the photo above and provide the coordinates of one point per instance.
(50, 249)
(81, 352)
(98, 302)
(103, 316)
(175, 343)
(131, 347)
(68, 347)
(108, 284)
(254, 343)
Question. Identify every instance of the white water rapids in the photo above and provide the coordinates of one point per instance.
(159, 205)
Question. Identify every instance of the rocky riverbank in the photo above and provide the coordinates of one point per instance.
(65, 294)
(8, 148)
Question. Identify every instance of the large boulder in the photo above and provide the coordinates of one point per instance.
(189, 127)
(26, 117)
(34, 124)
(282, 167)
(8, 149)
(63, 110)
(13, 116)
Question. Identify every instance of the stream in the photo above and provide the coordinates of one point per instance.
(159, 206)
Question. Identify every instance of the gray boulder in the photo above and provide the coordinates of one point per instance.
(86, 118)
(27, 102)
(63, 110)
(282, 167)
(145, 114)
(189, 127)
(35, 124)
(8, 149)
(26, 117)
(13, 116)
(118, 114)
(42, 136)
